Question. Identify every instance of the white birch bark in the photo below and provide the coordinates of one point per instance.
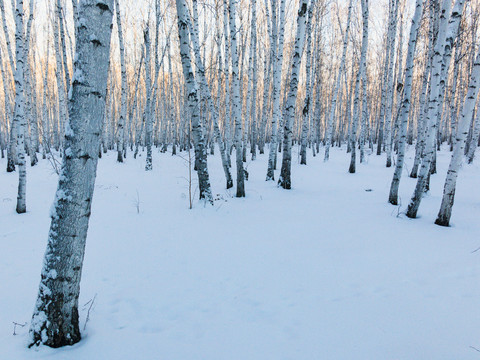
(207, 96)
(193, 103)
(60, 19)
(390, 84)
(123, 69)
(361, 75)
(55, 318)
(277, 55)
(253, 81)
(308, 90)
(147, 113)
(19, 113)
(431, 125)
(236, 101)
(227, 120)
(443, 217)
(62, 94)
(406, 102)
(285, 174)
(333, 103)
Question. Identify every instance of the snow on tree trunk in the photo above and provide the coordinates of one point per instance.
(55, 318)
(406, 102)
(193, 103)
(285, 173)
(445, 212)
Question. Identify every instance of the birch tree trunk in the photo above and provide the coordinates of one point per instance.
(433, 105)
(308, 90)
(236, 102)
(19, 114)
(207, 95)
(285, 174)
(360, 77)
(147, 113)
(253, 82)
(406, 102)
(123, 69)
(55, 318)
(445, 212)
(333, 104)
(277, 55)
(193, 103)
(390, 91)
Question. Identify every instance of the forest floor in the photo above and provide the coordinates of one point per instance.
(327, 270)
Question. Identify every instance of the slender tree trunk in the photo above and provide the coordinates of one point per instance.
(193, 103)
(123, 69)
(433, 105)
(19, 114)
(236, 102)
(285, 174)
(360, 77)
(277, 55)
(445, 212)
(406, 102)
(333, 104)
(308, 91)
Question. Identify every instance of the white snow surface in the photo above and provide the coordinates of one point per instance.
(326, 270)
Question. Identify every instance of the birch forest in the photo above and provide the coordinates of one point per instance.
(259, 179)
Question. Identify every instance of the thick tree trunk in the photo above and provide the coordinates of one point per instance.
(55, 318)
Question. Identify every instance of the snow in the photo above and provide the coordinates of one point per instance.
(327, 270)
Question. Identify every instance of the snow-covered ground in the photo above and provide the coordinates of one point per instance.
(327, 270)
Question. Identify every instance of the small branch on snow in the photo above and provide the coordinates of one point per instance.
(474, 348)
(15, 324)
(91, 302)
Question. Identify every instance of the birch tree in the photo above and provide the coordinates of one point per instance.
(333, 103)
(55, 318)
(19, 114)
(360, 77)
(123, 69)
(285, 173)
(406, 102)
(433, 105)
(445, 212)
(277, 56)
(193, 104)
(236, 101)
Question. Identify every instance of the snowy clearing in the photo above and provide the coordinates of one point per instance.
(327, 270)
